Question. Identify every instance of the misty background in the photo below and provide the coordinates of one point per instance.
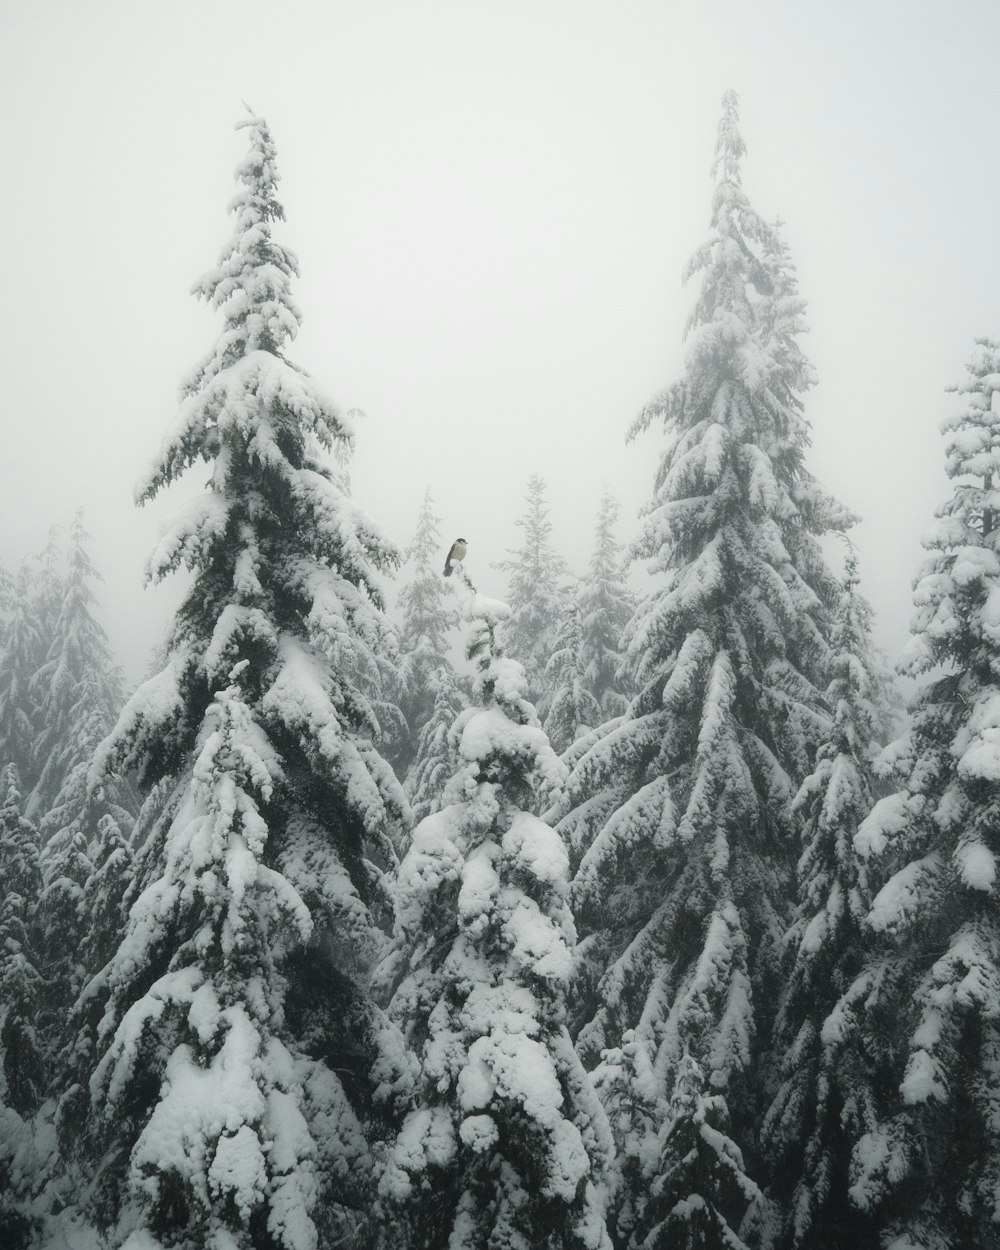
(491, 205)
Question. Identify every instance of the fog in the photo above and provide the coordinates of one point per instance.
(492, 205)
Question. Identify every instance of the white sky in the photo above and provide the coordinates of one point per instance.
(492, 204)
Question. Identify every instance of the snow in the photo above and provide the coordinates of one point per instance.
(902, 900)
(890, 818)
(237, 1172)
(536, 848)
(923, 1080)
(480, 884)
(977, 865)
(537, 945)
(972, 565)
(479, 1133)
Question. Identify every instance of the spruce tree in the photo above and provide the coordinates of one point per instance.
(606, 606)
(236, 1033)
(586, 684)
(426, 621)
(23, 1069)
(23, 649)
(573, 710)
(822, 1102)
(505, 1143)
(929, 1170)
(701, 1185)
(433, 765)
(680, 814)
(536, 592)
(78, 693)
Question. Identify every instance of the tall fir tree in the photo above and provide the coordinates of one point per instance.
(23, 649)
(433, 765)
(929, 1002)
(427, 618)
(587, 685)
(537, 578)
(23, 1067)
(235, 1031)
(823, 1099)
(701, 1185)
(606, 607)
(573, 710)
(681, 813)
(78, 693)
(505, 1143)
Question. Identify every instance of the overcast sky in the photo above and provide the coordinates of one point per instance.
(492, 204)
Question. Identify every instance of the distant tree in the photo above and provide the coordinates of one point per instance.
(428, 616)
(573, 710)
(536, 591)
(434, 763)
(823, 1099)
(23, 1074)
(606, 607)
(78, 693)
(23, 643)
(505, 1144)
(586, 684)
(236, 1032)
(680, 813)
(701, 1188)
(929, 1169)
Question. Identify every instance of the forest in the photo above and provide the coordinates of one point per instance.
(383, 913)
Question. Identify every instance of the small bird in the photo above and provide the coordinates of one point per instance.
(457, 554)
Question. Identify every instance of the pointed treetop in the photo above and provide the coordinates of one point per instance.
(252, 281)
(258, 171)
(729, 145)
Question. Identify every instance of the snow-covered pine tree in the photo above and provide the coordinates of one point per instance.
(537, 591)
(823, 1098)
(427, 618)
(573, 710)
(237, 1033)
(505, 1144)
(701, 1187)
(929, 1171)
(23, 1073)
(92, 892)
(606, 607)
(23, 651)
(434, 764)
(681, 812)
(586, 684)
(78, 692)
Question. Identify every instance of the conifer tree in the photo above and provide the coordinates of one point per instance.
(573, 710)
(23, 1067)
(78, 693)
(680, 813)
(23, 643)
(701, 1185)
(606, 606)
(929, 1170)
(23, 1074)
(433, 765)
(586, 685)
(235, 1032)
(505, 1143)
(537, 592)
(426, 622)
(823, 1102)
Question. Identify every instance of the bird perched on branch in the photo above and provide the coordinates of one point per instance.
(456, 555)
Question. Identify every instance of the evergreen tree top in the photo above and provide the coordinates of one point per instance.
(427, 537)
(729, 145)
(251, 282)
